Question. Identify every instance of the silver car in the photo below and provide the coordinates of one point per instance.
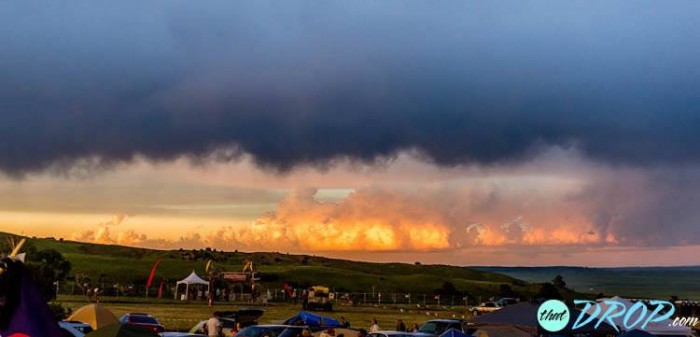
(74, 329)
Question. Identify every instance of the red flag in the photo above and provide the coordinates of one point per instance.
(288, 289)
(160, 289)
(153, 274)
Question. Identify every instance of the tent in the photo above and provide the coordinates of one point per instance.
(664, 328)
(501, 331)
(94, 314)
(454, 333)
(120, 330)
(312, 320)
(636, 333)
(193, 278)
(523, 316)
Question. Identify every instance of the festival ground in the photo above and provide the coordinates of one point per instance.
(181, 316)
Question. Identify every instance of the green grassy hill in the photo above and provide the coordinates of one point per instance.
(127, 265)
(635, 282)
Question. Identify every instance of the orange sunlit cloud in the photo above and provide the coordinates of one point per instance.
(404, 208)
(382, 219)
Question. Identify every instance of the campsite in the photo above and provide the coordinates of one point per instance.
(517, 320)
(344, 168)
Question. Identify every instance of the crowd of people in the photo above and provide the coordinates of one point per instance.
(214, 326)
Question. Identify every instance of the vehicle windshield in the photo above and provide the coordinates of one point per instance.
(258, 331)
(228, 323)
(84, 329)
(435, 328)
(142, 320)
(291, 332)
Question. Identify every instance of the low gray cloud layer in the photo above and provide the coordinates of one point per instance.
(304, 83)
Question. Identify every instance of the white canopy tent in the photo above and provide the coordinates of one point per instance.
(188, 281)
(663, 328)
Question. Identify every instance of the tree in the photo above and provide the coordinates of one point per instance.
(504, 290)
(448, 289)
(548, 292)
(47, 267)
(558, 281)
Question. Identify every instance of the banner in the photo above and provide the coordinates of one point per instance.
(160, 289)
(288, 290)
(153, 274)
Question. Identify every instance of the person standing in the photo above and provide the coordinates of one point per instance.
(374, 327)
(306, 333)
(400, 326)
(416, 328)
(214, 325)
(362, 333)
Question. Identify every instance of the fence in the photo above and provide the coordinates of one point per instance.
(278, 295)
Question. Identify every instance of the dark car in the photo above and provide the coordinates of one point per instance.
(391, 334)
(232, 320)
(74, 329)
(143, 320)
(438, 326)
(268, 330)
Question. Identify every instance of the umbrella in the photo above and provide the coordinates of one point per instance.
(121, 330)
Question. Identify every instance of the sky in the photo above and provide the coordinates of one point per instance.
(465, 133)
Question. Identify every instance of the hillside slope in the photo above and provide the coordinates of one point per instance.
(128, 265)
(642, 282)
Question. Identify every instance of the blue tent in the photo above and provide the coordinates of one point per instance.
(312, 320)
(454, 333)
(637, 333)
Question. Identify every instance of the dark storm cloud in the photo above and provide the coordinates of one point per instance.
(297, 83)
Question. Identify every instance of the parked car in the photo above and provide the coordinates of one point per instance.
(143, 320)
(267, 330)
(485, 308)
(437, 326)
(505, 301)
(229, 327)
(243, 317)
(391, 334)
(74, 329)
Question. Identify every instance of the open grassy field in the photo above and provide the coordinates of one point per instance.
(180, 316)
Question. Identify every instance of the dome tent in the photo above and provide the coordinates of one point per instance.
(95, 314)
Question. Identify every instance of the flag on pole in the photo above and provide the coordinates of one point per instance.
(153, 274)
(160, 289)
(288, 289)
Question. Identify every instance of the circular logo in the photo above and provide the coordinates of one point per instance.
(553, 315)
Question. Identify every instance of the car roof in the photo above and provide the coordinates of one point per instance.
(445, 320)
(386, 332)
(73, 323)
(276, 326)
